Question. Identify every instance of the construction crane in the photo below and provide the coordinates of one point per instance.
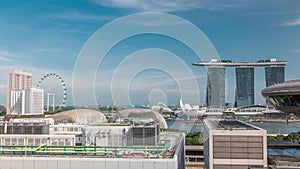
(114, 103)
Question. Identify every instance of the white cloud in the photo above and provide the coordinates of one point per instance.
(6, 55)
(165, 5)
(3, 58)
(81, 16)
(276, 13)
(160, 80)
(154, 20)
(295, 22)
(46, 50)
(295, 51)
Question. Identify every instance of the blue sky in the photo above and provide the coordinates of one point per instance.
(47, 36)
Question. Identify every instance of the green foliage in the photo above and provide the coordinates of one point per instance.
(292, 136)
(271, 138)
(193, 134)
(53, 112)
(280, 137)
(194, 138)
(188, 141)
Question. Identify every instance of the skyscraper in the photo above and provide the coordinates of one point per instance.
(215, 92)
(274, 74)
(17, 80)
(34, 100)
(244, 86)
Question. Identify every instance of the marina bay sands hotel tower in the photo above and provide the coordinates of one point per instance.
(244, 74)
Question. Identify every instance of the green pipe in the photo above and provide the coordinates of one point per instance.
(43, 148)
(40, 146)
(82, 147)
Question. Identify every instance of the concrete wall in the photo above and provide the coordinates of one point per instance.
(84, 163)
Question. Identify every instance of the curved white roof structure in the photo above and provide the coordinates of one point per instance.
(145, 114)
(80, 116)
(161, 108)
(191, 110)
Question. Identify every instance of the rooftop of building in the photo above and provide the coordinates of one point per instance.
(221, 124)
(20, 72)
(229, 63)
(166, 149)
(234, 125)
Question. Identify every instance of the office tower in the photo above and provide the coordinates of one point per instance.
(17, 80)
(244, 86)
(28, 101)
(274, 75)
(234, 144)
(215, 92)
(34, 101)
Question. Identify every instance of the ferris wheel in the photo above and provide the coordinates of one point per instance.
(61, 81)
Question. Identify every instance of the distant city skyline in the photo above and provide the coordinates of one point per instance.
(44, 37)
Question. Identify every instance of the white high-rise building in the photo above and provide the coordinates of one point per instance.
(28, 101)
(17, 80)
(34, 101)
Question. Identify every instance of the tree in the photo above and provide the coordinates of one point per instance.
(2, 110)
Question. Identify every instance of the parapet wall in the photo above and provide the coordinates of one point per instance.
(84, 163)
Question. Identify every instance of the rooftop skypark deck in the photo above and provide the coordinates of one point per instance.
(229, 63)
